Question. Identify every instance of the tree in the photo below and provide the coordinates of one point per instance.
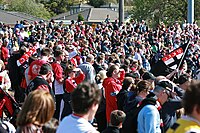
(29, 7)
(80, 18)
(167, 11)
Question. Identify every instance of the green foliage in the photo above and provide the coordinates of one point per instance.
(167, 11)
(29, 7)
(98, 3)
(80, 18)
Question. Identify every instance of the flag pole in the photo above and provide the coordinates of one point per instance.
(188, 43)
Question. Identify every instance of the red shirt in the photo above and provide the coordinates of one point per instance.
(58, 71)
(72, 83)
(34, 68)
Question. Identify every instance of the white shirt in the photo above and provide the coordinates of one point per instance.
(74, 124)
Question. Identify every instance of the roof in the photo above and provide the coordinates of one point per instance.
(92, 15)
(81, 6)
(10, 17)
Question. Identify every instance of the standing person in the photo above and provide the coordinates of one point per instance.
(112, 86)
(190, 122)
(37, 109)
(149, 120)
(85, 101)
(70, 84)
(34, 67)
(58, 81)
(88, 69)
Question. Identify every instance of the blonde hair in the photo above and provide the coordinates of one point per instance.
(37, 109)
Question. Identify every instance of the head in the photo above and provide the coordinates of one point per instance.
(142, 88)
(38, 108)
(117, 117)
(128, 83)
(191, 103)
(90, 58)
(85, 99)
(113, 71)
(46, 72)
(161, 93)
(59, 55)
(184, 81)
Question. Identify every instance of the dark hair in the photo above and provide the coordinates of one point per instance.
(51, 126)
(117, 117)
(183, 78)
(58, 53)
(45, 69)
(127, 82)
(110, 70)
(191, 97)
(45, 52)
(84, 96)
(143, 85)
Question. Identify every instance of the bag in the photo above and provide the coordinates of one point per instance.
(130, 123)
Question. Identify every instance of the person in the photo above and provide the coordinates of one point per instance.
(116, 119)
(34, 67)
(149, 120)
(37, 109)
(88, 69)
(123, 93)
(42, 80)
(112, 85)
(85, 100)
(190, 122)
(70, 83)
(58, 81)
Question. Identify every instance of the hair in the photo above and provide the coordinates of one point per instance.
(45, 52)
(89, 58)
(84, 96)
(110, 70)
(45, 69)
(58, 53)
(127, 82)
(38, 108)
(191, 96)
(117, 117)
(143, 85)
(51, 126)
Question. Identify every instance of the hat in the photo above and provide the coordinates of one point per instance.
(45, 69)
(148, 75)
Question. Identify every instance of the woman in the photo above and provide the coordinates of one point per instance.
(112, 86)
(70, 83)
(37, 109)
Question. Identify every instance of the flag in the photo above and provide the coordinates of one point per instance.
(170, 62)
(26, 56)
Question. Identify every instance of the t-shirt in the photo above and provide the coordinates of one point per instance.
(74, 124)
(185, 125)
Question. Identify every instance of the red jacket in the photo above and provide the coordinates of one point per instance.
(112, 87)
(72, 83)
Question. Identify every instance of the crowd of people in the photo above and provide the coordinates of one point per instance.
(81, 78)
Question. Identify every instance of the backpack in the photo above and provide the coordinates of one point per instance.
(130, 122)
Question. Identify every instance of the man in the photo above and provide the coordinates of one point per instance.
(85, 100)
(58, 83)
(88, 69)
(149, 117)
(190, 122)
(34, 68)
(42, 80)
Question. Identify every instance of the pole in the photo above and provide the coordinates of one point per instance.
(121, 11)
(190, 14)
